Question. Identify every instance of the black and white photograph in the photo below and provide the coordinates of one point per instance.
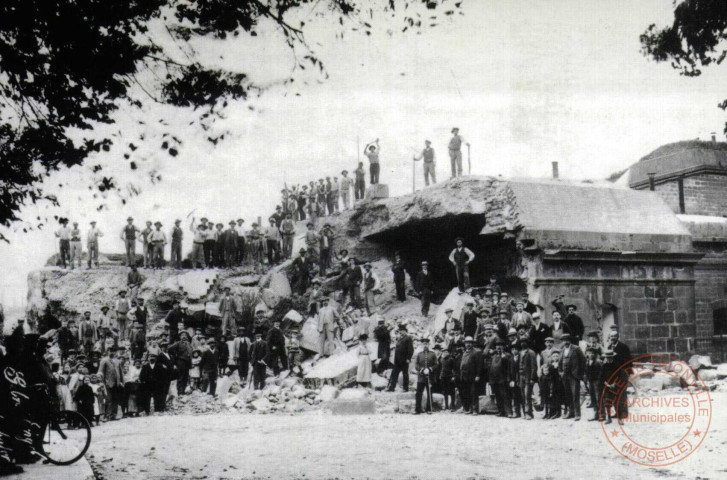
(363, 239)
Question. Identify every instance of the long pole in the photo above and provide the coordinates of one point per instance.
(413, 177)
(469, 161)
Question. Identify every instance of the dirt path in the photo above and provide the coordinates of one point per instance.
(316, 445)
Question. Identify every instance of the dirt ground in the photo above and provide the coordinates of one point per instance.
(317, 445)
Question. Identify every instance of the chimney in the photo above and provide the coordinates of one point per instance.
(714, 137)
(555, 169)
(652, 183)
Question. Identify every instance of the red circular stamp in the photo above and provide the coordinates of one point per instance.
(663, 418)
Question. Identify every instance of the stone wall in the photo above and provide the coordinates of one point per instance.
(710, 294)
(653, 302)
(704, 194)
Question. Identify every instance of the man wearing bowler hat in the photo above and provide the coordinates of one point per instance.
(402, 356)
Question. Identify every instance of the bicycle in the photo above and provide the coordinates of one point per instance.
(65, 435)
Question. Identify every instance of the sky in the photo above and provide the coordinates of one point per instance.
(527, 82)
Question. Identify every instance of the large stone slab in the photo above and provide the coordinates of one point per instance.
(377, 191)
(358, 406)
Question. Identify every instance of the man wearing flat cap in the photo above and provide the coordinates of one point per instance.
(403, 352)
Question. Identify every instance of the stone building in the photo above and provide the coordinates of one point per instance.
(646, 252)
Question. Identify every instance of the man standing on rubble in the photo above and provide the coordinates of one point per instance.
(328, 318)
(287, 231)
(383, 338)
(258, 354)
(92, 244)
(372, 151)
(461, 257)
(403, 352)
(424, 286)
(227, 312)
(276, 348)
(399, 277)
(371, 284)
(346, 184)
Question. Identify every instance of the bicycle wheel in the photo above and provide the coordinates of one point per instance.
(66, 438)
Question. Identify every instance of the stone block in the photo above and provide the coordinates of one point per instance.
(660, 331)
(656, 345)
(638, 305)
(642, 331)
(649, 292)
(360, 406)
(641, 318)
(687, 330)
(722, 371)
(672, 304)
(668, 317)
(328, 393)
(660, 305)
(377, 191)
(682, 317)
(654, 318)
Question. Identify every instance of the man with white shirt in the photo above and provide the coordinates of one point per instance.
(345, 188)
(461, 257)
(200, 235)
(272, 241)
(158, 239)
(370, 285)
(92, 243)
(240, 241)
(76, 248)
(64, 236)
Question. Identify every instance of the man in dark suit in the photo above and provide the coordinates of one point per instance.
(276, 348)
(620, 349)
(469, 319)
(470, 374)
(258, 354)
(399, 277)
(572, 370)
(498, 376)
(528, 369)
(425, 365)
(353, 279)
(621, 356)
(538, 333)
(425, 286)
(528, 306)
(208, 366)
(383, 338)
(153, 377)
(402, 357)
(574, 322)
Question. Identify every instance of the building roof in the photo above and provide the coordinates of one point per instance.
(681, 158)
(560, 214)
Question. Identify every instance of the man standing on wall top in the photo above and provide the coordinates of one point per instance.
(430, 162)
(372, 151)
(455, 152)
